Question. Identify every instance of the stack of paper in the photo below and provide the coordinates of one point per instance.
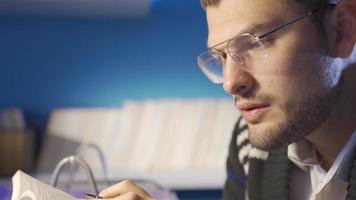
(148, 136)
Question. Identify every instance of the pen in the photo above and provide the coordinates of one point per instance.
(93, 196)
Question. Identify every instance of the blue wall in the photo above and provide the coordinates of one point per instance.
(51, 62)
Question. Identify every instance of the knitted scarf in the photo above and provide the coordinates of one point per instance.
(253, 174)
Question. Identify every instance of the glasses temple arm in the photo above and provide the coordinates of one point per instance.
(293, 21)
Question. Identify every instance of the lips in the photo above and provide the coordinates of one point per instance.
(253, 113)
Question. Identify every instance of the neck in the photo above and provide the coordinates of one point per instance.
(333, 134)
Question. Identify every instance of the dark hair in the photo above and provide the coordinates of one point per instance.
(209, 3)
(308, 4)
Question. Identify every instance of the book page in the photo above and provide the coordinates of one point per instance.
(22, 183)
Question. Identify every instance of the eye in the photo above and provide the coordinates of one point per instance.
(220, 54)
(224, 55)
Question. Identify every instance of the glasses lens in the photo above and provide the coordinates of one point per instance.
(211, 63)
(247, 51)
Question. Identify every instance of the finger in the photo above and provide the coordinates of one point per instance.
(120, 189)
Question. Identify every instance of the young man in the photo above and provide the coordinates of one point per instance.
(291, 67)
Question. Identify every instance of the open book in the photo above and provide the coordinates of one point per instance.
(26, 187)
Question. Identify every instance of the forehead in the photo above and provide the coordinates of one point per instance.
(233, 16)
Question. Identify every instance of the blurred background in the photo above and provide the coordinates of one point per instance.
(62, 54)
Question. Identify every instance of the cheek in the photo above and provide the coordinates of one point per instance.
(295, 73)
(302, 80)
(293, 86)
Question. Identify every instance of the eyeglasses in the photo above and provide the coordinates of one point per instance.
(246, 50)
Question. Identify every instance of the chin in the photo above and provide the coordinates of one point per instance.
(267, 138)
(267, 134)
(275, 134)
(292, 121)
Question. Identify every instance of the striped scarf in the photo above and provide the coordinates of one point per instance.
(253, 174)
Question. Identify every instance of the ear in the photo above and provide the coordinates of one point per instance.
(341, 28)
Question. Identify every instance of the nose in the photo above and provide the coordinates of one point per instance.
(237, 81)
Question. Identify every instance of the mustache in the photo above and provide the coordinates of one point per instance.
(253, 98)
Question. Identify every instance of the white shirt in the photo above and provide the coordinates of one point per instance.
(310, 181)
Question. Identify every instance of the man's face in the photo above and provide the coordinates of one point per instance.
(291, 92)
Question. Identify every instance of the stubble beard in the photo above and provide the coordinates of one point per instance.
(302, 119)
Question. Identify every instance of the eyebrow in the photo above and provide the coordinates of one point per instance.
(253, 29)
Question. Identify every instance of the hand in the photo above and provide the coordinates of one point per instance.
(125, 190)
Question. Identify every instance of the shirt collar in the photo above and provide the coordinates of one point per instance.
(304, 156)
(346, 157)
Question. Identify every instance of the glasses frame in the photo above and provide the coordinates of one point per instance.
(262, 36)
